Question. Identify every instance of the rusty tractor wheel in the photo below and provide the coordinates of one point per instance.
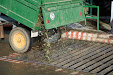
(20, 40)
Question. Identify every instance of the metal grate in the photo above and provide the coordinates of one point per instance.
(84, 56)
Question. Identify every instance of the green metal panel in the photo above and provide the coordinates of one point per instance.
(24, 11)
(63, 13)
(53, 1)
(5, 5)
(57, 1)
(55, 12)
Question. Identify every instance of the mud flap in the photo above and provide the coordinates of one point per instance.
(34, 34)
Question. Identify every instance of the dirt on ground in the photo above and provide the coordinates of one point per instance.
(40, 52)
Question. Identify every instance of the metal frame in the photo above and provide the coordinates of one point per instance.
(91, 2)
(92, 16)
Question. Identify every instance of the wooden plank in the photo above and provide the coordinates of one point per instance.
(98, 64)
(65, 56)
(106, 70)
(83, 55)
(96, 58)
(111, 73)
(2, 32)
(82, 60)
(59, 55)
(78, 55)
(102, 66)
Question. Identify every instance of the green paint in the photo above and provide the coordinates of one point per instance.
(65, 12)
(92, 16)
(26, 11)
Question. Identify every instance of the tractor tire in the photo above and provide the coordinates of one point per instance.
(20, 40)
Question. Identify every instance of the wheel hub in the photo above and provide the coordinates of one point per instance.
(19, 40)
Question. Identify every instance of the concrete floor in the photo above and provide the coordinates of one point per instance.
(7, 68)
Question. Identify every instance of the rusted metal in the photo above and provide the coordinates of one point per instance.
(1, 31)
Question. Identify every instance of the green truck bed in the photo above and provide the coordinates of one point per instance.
(55, 12)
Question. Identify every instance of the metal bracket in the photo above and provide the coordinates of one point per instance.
(34, 34)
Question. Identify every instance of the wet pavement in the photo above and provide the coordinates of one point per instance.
(7, 68)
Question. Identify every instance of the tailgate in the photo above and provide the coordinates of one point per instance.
(62, 12)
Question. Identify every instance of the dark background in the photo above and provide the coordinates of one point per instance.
(105, 7)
